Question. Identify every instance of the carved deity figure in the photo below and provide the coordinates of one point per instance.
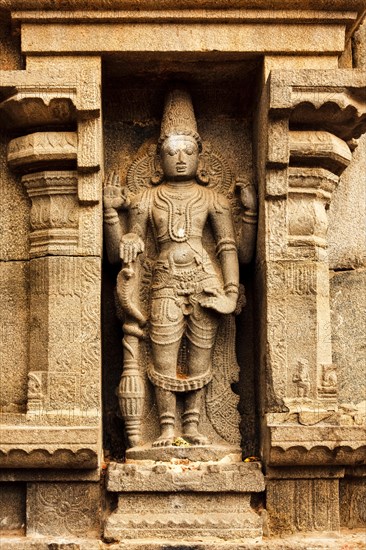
(302, 378)
(190, 289)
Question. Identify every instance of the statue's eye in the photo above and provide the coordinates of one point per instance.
(172, 152)
(189, 150)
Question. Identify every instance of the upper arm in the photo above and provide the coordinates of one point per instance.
(139, 213)
(220, 216)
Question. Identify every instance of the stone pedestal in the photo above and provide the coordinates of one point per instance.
(183, 500)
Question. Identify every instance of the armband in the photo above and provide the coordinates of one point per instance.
(250, 216)
(111, 216)
(231, 288)
(225, 245)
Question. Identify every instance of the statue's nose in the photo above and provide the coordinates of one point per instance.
(180, 155)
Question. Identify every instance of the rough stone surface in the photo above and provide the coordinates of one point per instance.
(302, 505)
(146, 38)
(352, 503)
(184, 516)
(14, 327)
(12, 509)
(14, 212)
(347, 215)
(348, 305)
(182, 475)
(347, 540)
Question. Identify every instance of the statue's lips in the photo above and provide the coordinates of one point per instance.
(181, 167)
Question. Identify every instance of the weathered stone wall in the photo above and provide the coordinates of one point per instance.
(53, 484)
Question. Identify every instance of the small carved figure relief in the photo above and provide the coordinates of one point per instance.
(179, 282)
(301, 378)
(329, 382)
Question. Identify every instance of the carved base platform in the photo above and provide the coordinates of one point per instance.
(193, 454)
(184, 500)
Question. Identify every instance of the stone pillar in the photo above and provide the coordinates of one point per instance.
(61, 172)
(305, 143)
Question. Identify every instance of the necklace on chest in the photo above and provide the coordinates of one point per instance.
(179, 205)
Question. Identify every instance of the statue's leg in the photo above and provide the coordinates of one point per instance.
(166, 401)
(201, 333)
(166, 331)
(191, 418)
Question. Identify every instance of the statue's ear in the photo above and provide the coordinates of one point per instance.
(202, 173)
(158, 174)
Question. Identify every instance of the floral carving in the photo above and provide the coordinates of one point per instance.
(63, 509)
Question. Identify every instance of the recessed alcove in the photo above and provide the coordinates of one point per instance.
(225, 95)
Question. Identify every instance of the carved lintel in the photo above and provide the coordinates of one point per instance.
(54, 213)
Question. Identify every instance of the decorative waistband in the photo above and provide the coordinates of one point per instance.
(177, 384)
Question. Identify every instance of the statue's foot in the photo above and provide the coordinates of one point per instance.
(163, 441)
(195, 438)
(166, 437)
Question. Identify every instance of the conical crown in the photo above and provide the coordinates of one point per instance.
(178, 117)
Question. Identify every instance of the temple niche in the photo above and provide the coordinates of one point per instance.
(182, 265)
(225, 171)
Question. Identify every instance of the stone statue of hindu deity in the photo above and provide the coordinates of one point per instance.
(180, 246)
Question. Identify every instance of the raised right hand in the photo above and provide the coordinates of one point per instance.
(114, 196)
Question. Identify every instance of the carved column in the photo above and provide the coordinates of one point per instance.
(61, 173)
(307, 123)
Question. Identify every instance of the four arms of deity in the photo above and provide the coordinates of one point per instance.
(194, 279)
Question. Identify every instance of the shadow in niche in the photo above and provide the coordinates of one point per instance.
(246, 355)
(114, 439)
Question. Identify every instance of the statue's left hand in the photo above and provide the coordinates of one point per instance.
(222, 303)
(130, 247)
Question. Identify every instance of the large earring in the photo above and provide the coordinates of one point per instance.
(158, 175)
(202, 175)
